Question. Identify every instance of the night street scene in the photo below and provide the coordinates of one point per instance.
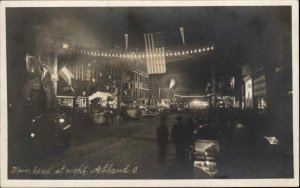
(203, 92)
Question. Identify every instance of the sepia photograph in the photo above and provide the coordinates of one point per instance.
(194, 91)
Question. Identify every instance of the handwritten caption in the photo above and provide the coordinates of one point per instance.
(81, 170)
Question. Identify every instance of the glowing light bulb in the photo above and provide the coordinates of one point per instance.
(65, 46)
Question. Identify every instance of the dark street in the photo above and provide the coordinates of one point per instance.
(133, 146)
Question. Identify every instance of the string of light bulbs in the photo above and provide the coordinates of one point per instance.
(139, 55)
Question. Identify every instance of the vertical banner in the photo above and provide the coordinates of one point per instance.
(88, 72)
(182, 35)
(126, 42)
(155, 58)
(82, 71)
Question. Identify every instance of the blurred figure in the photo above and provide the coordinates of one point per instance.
(189, 136)
(162, 134)
(108, 115)
(179, 137)
(190, 127)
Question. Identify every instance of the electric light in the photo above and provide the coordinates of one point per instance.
(65, 46)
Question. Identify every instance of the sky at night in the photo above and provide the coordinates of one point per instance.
(239, 34)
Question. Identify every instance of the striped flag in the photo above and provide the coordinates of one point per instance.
(155, 58)
(66, 75)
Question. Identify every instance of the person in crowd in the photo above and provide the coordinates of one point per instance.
(189, 138)
(178, 135)
(162, 135)
(189, 129)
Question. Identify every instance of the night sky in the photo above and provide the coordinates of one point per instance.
(240, 35)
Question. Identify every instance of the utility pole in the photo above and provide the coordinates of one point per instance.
(121, 84)
(214, 88)
(52, 87)
(159, 94)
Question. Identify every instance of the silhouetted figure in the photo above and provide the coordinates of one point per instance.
(189, 129)
(179, 137)
(162, 134)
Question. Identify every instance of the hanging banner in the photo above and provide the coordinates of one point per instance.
(182, 35)
(155, 58)
(126, 42)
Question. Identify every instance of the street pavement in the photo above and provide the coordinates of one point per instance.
(129, 151)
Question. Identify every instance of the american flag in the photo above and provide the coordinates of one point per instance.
(155, 58)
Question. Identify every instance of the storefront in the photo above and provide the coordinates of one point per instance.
(259, 86)
(248, 92)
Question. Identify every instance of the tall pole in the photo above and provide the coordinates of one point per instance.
(121, 86)
(52, 87)
(214, 87)
(159, 94)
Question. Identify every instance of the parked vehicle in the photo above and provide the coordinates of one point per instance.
(173, 108)
(51, 130)
(130, 111)
(149, 111)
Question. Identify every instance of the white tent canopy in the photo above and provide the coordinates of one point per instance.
(99, 94)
